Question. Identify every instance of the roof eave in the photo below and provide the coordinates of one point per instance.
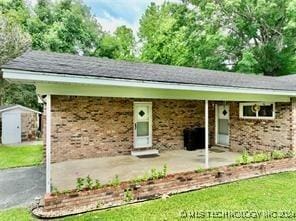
(35, 77)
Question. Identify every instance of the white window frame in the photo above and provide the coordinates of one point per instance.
(257, 117)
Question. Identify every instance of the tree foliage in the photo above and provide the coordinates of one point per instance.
(60, 26)
(173, 34)
(119, 45)
(259, 35)
(14, 41)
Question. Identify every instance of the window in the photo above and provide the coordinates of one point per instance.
(257, 110)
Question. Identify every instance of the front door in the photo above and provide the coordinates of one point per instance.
(222, 125)
(142, 124)
(11, 130)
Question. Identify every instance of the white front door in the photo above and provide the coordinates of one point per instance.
(142, 124)
(222, 125)
(11, 128)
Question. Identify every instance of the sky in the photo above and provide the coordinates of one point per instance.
(113, 13)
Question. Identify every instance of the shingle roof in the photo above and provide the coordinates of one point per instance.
(13, 106)
(49, 62)
(7, 106)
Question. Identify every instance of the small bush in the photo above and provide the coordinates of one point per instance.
(157, 174)
(245, 158)
(79, 183)
(97, 184)
(55, 190)
(261, 157)
(128, 195)
(290, 154)
(88, 182)
(164, 170)
(200, 170)
(137, 180)
(277, 154)
(115, 181)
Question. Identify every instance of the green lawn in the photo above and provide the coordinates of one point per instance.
(20, 156)
(274, 193)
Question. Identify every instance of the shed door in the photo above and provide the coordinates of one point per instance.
(11, 128)
(142, 125)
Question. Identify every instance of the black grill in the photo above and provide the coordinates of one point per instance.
(194, 138)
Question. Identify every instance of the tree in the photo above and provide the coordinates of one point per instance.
(259, 35)
(172, 34)
(119, 45)
(126, 43)
(64, 26)
(13, 42)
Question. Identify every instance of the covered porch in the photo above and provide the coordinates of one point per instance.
(94, 135)
(127, 167)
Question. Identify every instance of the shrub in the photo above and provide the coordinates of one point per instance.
(137, 180)
(290, 154)
(245, 158)
(55, 190)
(115, 181)
(277, 154)
(128, 195)
(199, 170)
(155, 174)
(79, 183)
(88, 182)
(164, 170)
(97, 184)
(261, 157)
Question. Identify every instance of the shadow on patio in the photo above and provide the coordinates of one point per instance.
(128, 167)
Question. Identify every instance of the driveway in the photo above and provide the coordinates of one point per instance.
(20, 186)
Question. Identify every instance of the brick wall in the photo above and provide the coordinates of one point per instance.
(29, 126)
(261, 135)
(110, 196)
(87, 127)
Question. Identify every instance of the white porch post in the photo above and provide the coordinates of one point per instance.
(48, 142)
(206, 134)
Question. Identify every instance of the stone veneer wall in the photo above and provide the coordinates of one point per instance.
(29, 126)
(261, 135)
(87, 127)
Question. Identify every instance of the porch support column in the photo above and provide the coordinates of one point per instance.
(206, 134)
(48, 142)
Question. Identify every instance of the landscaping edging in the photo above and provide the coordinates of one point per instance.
(111, 196)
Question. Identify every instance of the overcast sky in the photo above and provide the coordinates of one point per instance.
(113, 13)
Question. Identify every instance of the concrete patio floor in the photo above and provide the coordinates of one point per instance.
(128, 167)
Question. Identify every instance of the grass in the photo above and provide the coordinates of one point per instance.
(16, 214)
(20, 156)
(273, 193)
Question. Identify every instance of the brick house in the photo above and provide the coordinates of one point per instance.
(99, 108)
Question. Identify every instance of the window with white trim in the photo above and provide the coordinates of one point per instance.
(257, 111)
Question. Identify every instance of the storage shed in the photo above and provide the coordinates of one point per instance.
(18, 124)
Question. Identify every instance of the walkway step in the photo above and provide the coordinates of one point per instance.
(137, 153)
